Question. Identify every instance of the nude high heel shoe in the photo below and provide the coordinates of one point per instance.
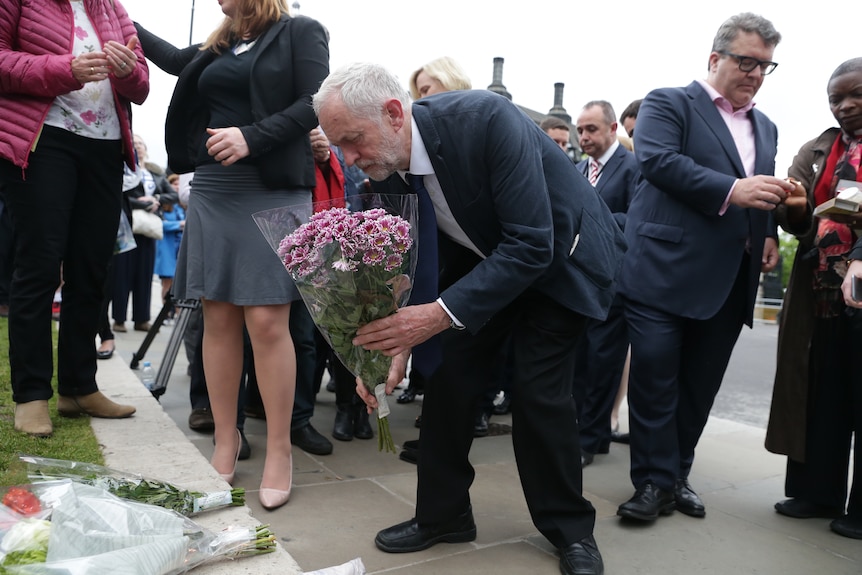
(228, 477)
(272, 499)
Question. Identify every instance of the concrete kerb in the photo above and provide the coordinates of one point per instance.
(150, 443)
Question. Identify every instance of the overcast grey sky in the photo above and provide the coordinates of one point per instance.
(613, 51)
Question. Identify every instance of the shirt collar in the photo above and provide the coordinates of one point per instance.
(603, 159)
(721, 101)
(420, 161)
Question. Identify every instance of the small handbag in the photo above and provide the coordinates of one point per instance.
(147, 224)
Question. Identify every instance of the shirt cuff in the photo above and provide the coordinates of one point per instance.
(726, 203)
(450, 314)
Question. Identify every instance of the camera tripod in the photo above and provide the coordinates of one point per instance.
(184, 308)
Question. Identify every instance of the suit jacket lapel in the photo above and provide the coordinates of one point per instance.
(705, 107)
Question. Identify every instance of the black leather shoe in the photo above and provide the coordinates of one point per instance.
(418, 423)
(409, 536)
(411, 444)
(201, 419)
(409, 455)
(586, 458)
(505, 405)
(105, 353)
(407, 396)
(801, 509)
(361, 425)
(310, 440)
(342, 430)
(582, 558)
(480, 426)
(847, 526)
(687, 501)
(648, 503)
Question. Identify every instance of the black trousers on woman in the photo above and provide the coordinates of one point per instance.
(834, 414)
(65, 207)
(133, 273)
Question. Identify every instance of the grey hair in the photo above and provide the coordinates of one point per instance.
(745, 22)
(363, 88)
(607, 110)
(852, 65)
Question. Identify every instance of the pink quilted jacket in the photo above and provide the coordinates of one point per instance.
(36, 37)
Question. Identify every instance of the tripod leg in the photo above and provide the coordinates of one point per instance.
(171, 350)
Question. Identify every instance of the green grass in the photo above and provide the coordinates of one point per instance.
(73, 438)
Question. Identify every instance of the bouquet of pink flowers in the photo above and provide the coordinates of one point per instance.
(352, 267)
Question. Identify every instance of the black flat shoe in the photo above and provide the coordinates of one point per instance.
(104, 353)
(687, 501)
(648, 503)
(407, 396)
(409, 536)
(582, 558)
(618, 437)
(801, 509)
(847, 526)
(409, 455)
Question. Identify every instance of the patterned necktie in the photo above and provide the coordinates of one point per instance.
(427, 355)
(594, 172)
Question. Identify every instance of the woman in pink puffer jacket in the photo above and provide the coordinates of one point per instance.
(69, 71)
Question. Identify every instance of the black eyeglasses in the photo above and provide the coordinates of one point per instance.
(747, 63)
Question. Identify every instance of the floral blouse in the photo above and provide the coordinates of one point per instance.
(90, 111)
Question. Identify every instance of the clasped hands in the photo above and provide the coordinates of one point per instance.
(395, 336)
(116, 60)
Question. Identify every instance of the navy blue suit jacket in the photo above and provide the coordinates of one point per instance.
(683, 257)
(521, 201)
(618, 182)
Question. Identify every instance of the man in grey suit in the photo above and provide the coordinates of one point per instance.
(614, 172)
(527, 250)
(700, 232)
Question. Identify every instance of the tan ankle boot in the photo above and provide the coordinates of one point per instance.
(32, 418)
(94, 405)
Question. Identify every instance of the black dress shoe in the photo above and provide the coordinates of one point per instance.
(409, 536)
(801, 509)
(310, 440)
(847, 526)
(648, 503)
(687, 501)
(582, 558)
(407, 396)
(409, 455)
(480, 426)
(411, 444)
(586, 458)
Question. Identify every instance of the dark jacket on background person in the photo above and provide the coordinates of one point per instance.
(278, 139)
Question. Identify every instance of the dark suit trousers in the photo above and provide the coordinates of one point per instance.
(676, 370)
(598, 369)
(66, 210)
(544, 417)
(834, 413)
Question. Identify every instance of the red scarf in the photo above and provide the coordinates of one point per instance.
(330, 185)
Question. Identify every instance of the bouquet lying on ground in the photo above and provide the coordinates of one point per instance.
(68, 528)
(351, 267)
(132, 486)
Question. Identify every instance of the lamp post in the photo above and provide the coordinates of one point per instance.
(192, 23)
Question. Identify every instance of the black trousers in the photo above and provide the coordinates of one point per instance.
(65, 211)
(676, 370)
(834, 414)
(133, 273)
(544, 417)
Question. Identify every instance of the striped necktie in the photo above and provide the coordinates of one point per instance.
(594, 171)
